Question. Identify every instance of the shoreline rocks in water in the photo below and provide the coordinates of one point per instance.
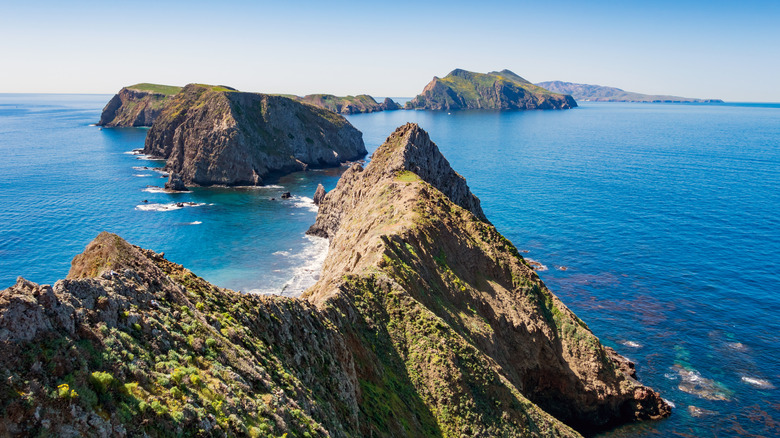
(319, 194)
(175, 183)
(503, 90)
(424, 321)
(214, 135)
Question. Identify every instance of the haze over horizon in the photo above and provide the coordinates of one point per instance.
(714, 49)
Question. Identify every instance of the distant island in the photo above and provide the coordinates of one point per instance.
(139, 105)
(503, 90)
(216, 135)
(598, 93)
(362, 103)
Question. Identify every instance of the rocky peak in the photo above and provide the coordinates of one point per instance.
(408, 153)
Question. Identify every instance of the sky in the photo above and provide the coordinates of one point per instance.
(706, 49)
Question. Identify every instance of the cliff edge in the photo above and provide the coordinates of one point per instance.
(503, 90)
(213, 135)
(136, 105)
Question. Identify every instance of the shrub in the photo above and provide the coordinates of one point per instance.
(102, 380)
(211, 342)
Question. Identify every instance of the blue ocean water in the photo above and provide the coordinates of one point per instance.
(658, 224)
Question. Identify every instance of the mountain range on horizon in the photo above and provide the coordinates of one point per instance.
(599, 93)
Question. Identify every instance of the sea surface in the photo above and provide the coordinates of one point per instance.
(658, 224)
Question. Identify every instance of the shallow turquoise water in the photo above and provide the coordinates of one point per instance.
(665, 216)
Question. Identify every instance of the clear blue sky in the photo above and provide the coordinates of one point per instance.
(708, 49)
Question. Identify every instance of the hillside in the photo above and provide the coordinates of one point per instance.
(136, 105)
(362, 103)
(215, 135)
(502, 90)
(598, 93)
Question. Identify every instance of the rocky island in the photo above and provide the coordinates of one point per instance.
(502, 90)
(598, 93)
(362, 103)
(425, 322)
(136, 105)
(215, 135)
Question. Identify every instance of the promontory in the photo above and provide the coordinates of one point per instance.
(215, 135)
(136, 105)
(425, 322)
(498, 90)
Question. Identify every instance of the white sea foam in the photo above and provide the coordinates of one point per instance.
(758, 383)
(304, 202)
(166, 207)
(141, 175)
(281, 253)
(631, 344)
(152, 189)
(670, 403)
(308, 268)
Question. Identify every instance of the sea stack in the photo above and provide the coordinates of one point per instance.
(503, 90)
(215, 135)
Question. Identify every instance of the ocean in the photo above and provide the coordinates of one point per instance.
(656, 223)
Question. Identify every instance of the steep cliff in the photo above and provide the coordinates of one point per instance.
(598, 93)
(425, 322)
(136, 105)
(217, 135)
(502, 90)
(362, 103)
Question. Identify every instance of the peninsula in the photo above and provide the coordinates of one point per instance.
(503, 90)
(215, 135)
(425, 322)
(598, 93)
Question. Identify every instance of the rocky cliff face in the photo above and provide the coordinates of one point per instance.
(216, 135)
(502, 90)
(423, 248)
(425, 322)
(598, 93)
(362, 103)
(136, 105)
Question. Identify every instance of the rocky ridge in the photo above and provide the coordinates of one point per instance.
(503, 90)
(362, 103)
(598, 93)
(425, 322)
(219, 136)
(136, 105)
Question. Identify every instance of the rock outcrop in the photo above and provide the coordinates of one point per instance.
(219, 136)
(362, 103)
(175, 183)
(319, 194)
(598, 93)
(502, 90)
(425, 322)
(136, 105)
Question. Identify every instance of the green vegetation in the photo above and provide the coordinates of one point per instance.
(168, 90)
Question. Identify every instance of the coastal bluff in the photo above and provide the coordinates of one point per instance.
(215, 135)
(136, 105)
(502, 90)
(362, 103)
(425, 322)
